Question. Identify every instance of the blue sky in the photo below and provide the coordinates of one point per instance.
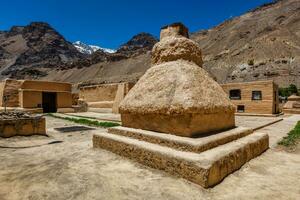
(109, 23)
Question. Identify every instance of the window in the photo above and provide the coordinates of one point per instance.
(240, 108)
(256, 95)
(235, 94)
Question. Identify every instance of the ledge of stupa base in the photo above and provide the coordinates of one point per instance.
(187, 125)
(197, 145)
(206, 168)
(291, 110)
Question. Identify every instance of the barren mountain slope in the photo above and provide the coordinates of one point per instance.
(29, 51)
(261, 44)
(130, 69)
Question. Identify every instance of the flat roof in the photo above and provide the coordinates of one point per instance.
(248, 82)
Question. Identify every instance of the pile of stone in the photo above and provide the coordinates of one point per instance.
(178, 119)
(14, 115)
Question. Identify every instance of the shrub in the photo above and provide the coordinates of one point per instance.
(251, 62)
(292, 136)
(288, 91)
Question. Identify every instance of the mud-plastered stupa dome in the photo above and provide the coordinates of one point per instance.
(176, 95)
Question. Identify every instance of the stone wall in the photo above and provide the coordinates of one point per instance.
(269, 104)
(2, 85)
(105, 95)
(123, 89)
(95, 93)
(30, 99)
(10, 89)
(64, 100)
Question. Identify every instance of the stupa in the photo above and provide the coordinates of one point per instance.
(178, 119)
(176, 95)
(292, 106)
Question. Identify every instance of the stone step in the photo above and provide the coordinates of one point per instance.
(206, 169)
(100, 110)
(198, 145)
(101, 104)
(291, 110)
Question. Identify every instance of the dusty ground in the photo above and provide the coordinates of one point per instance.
(72, 169)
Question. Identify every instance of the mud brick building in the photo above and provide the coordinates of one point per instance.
(259, 97)
(35, 96)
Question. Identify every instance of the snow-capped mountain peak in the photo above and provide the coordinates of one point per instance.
(89, 49)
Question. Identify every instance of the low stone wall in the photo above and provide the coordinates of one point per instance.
(22, 127)
(98, 93)
(105, 95)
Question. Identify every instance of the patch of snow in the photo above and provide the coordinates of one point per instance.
(89, 49)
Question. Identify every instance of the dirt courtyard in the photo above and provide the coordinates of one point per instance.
(65, 166)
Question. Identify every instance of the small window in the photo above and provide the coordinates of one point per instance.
(240, 108)
(235, 94)
(256, 95)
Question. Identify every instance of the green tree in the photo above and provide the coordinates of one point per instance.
(288, 91)
(293, 89)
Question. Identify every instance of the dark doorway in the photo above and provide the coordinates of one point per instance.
(49, 102)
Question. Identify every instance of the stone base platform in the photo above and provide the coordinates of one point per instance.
(205, 160)
(258, 115)
(186, 125)
(291, 110)
(22, 127)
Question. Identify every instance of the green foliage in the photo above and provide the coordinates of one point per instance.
(288, 91)
(87, 122)
(292, 136)
(251, 62)
(293, 89)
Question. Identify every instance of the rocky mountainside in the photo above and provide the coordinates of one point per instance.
(261, 44)
(36, 50)
(29, 51)
(138, 44)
